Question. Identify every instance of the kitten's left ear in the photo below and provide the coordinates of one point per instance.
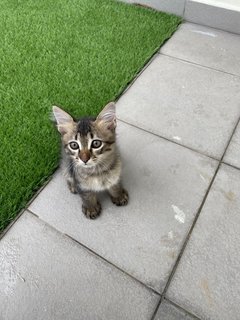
(108, 116)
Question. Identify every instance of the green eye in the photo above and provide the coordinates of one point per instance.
(96, 144)
(74, 145)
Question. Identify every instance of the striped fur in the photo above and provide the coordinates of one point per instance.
(91, 160)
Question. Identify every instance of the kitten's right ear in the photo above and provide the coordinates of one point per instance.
(63, 120)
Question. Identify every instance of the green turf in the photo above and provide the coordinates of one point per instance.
(79, 54)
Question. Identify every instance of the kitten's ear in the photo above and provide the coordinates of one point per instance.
(63, 120)
(107, 116)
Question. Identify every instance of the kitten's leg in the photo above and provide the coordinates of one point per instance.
(72, 185)
(118, 195)
(90, 207)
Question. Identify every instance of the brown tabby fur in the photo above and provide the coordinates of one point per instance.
(90, 170)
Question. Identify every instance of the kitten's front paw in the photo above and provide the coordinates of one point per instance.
(72, 187)
(122, 199)
(92, 212)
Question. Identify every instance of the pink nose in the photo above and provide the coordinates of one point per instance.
(84, 156)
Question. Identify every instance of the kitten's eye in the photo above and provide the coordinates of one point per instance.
(74, 145)
(96, 144)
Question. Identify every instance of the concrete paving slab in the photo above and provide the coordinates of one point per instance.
(232, 155)
(207, 280)
(168, 311)
(213, 14)
(192, 105)
(173, 6)
(145, 237)
(45, 275)
(205, 46)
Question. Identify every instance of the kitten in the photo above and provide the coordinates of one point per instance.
(91, 158)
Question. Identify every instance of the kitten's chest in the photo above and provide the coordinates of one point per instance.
(101, 182)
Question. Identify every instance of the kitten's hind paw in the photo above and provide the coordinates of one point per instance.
(92, 212)
(122, 199)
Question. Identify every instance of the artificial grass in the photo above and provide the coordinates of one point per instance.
(79, 54)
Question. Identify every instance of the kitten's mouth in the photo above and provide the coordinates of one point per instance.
(85, 165)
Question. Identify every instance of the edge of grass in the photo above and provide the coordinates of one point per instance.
(43, 182)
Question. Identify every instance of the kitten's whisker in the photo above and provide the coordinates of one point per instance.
(103, 165)
(70, 166)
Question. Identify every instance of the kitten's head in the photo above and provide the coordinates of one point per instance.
(89, 141)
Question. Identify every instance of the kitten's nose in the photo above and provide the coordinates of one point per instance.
(84, 156)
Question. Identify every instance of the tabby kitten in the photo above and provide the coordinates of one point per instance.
(90, 158)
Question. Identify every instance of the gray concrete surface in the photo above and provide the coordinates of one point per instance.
(211, 261)
(207, 47)
(168, 311)
(179, 236)
(45, 275)
(152, 228)
(233, 153)
(171, 92)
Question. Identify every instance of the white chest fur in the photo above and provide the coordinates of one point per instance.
(101, 182)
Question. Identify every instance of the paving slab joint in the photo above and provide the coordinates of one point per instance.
(230, 165)
(129, 85)
(147, 63)
(229, 141)
(179, 308)
(184, 8)
(169, 140)
(94, 253)
(163, 296)
(199, 65)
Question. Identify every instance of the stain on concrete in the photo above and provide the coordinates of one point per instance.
(230, 195)
(206, 291)
(172, 254)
